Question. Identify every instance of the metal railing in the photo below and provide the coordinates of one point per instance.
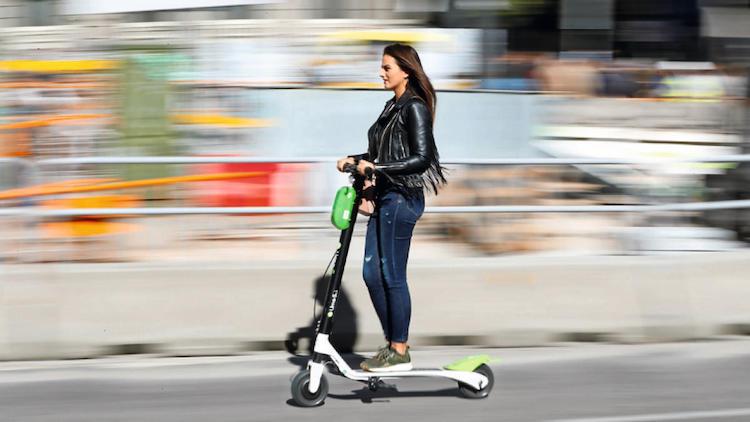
(467, 161)
(692, 206)
(481, 209)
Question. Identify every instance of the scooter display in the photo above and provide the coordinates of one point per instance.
(310, 386)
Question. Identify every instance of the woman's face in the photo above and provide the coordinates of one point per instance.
(391, 74)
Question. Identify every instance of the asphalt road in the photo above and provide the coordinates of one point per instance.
(697, 381)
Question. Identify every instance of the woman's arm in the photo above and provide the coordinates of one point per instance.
(421, 142)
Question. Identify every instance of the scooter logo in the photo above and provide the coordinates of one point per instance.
(334, 295)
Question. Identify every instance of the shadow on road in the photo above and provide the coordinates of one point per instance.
(385, 393)
(366, 396)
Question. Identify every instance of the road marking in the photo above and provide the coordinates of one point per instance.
(724, 413)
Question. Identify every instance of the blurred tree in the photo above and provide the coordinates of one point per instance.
(144, 122)
(527, 7)
(533, 25)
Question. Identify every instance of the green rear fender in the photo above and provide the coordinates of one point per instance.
(468, 364)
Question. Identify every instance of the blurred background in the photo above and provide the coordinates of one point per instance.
(597, 150)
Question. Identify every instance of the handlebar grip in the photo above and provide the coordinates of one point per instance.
(352, 168)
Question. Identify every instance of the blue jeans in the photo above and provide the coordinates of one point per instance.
(389, 233)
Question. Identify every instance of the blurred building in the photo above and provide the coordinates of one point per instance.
(58, 12)
(176, 77)
(725, 26)
(600, 29)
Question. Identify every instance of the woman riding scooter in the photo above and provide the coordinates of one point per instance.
(403, 155)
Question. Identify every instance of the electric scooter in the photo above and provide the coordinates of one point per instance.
(310, 386)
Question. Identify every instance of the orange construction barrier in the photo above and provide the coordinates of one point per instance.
(90, 226)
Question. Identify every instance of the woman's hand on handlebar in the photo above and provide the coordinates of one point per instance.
(344, 161)
(363, 166)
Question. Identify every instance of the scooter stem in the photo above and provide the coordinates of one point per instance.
(325, 323)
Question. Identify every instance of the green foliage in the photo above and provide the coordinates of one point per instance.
(525, 7)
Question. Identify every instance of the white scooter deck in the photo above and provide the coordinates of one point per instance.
(323, 346)
(478, 381)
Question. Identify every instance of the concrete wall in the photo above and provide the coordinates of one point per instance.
(81, 310)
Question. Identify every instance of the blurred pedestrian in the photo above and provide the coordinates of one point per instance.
(405, 161)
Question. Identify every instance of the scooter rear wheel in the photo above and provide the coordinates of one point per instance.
(301, 394)
(470, 392)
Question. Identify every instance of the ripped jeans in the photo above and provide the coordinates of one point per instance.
(389, 233)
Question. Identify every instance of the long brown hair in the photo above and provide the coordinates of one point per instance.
(408, 60)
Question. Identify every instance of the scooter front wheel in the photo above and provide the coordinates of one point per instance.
(301, 394)
(472, 393)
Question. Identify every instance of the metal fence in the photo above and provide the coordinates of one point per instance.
(35, 167)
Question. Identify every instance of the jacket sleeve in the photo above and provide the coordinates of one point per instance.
(421, 143)
(365, 156)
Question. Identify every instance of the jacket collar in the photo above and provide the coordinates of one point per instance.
(405, 97)
(393, 105)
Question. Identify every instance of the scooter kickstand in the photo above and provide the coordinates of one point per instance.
(373, 383)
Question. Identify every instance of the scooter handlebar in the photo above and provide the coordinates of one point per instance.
(352, 168)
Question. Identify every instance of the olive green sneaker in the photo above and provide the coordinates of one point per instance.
(373, 360)
(389, 362)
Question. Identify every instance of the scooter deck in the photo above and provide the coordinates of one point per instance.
(474, 379)
(324, 347)
(416, 372)
(467, 364)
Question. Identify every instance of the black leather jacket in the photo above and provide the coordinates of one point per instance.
(402, 147)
